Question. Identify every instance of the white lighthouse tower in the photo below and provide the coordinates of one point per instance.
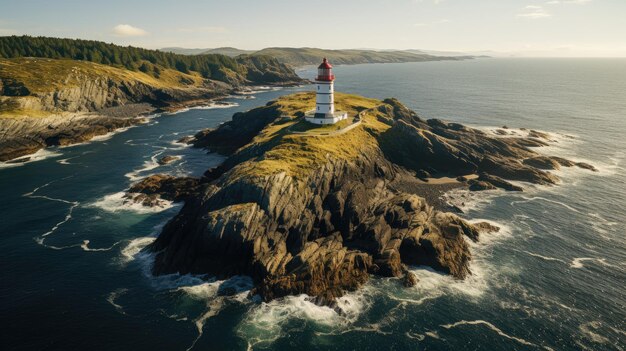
(324, 112)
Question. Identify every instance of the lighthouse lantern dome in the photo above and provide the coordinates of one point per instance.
(325, 71)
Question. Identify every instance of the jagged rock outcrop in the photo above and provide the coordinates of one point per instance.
(20, 137)
(166, 186)
(455, 150)
(319, 214)
(321, 236)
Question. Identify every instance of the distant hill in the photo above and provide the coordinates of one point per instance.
(297, 57)
(228, 51)
(458, 54)
(311, 56)
(239, 70)
(183, 51)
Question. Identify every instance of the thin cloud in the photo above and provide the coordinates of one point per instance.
(126, 30)
(534, 12)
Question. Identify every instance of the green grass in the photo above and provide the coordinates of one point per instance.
(41, 75)
(298, 155)
(45, 76)
(304, 126)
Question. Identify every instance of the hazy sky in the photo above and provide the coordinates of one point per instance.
(522, 27)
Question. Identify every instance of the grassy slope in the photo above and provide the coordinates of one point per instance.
(42, 76)
(298, 155)
(46, 75)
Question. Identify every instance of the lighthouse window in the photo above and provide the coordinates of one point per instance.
(318, 87)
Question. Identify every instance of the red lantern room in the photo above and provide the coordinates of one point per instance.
(325, 72)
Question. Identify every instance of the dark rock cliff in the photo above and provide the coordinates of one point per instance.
(318, 215)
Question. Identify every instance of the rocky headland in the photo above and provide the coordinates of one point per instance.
(318, 214)
(48, 102)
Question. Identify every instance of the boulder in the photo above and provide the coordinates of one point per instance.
(478, 185)
(168, 159)
(409, 280)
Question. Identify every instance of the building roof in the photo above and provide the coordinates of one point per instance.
(325, 64)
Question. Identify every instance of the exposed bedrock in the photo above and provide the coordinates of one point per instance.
(320, 236)
(301, 220)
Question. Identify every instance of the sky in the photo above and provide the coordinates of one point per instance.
(533, 28)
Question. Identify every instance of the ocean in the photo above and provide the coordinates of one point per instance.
(554, 278)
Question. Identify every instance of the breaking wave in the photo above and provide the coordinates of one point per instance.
(491, 327)
(211, 106)
(267, 322)
(40, 155)
(118, 202)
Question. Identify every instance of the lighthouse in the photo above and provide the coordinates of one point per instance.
(324, 112)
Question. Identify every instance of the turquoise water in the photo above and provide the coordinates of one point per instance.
(73, 276)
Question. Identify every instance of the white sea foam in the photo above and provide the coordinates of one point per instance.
(40, 239)
(65, 161)
(527, 199)
(504, 232)
(578, 262)
(178, 145)
(109, 135)
(257, 90)
(32, 192)
(468, 201)
(545, 258)
(490, 326)
(73, 204)
(602, 226)
(40, 155)
(412, 335)
(113, 296)
(590, 331)
(266, 322)
(210, 106)
(234, 289)
(140, 173)
(118, 202)
(133, 249)
(85, 247)
(433, 284)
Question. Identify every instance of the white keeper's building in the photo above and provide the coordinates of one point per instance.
(324, 112)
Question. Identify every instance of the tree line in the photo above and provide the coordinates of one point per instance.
(132, 58)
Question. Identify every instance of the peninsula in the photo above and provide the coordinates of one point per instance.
(319, 212)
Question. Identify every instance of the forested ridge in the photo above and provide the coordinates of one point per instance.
(210, 66)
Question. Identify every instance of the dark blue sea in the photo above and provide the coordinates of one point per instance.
(73, 275)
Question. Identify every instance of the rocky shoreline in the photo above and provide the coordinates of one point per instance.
(23, 136)
(20, 137)
(318, 216)
(79, 100)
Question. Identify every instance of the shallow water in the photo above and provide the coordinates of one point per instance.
(74, 275)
